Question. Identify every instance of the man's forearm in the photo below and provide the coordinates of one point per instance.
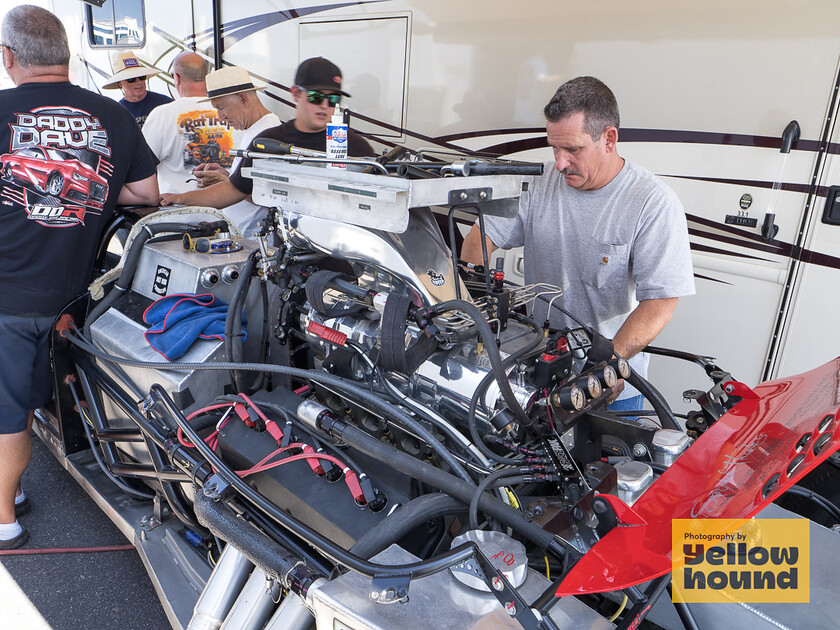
(643, 325)
(140, 193)
(219, 195)
(471, 249)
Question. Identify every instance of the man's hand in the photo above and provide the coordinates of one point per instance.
(170, 199)
(616, 391)
(209, 174)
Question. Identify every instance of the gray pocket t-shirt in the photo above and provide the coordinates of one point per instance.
(606, 248)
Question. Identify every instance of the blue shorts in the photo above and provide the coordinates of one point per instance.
(25, 378)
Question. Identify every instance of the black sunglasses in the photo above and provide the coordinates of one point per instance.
(314, 96)
(133, 79)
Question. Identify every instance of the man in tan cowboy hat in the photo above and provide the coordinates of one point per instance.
(130, 76)
(233, 94)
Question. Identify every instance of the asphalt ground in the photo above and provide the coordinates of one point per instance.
(72, 591)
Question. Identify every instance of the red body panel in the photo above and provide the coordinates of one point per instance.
(783, 428)
(56, 173)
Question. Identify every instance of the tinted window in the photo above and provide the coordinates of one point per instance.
(117, 23)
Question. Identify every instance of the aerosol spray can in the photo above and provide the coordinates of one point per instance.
(337, 138)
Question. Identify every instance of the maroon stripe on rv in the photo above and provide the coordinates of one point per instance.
(641, 135)
(716, 250)
(822, 191)
(702, 277)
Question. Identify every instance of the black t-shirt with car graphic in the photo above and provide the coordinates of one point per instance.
(65, 153)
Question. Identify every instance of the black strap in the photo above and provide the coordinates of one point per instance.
(315, 287)
(394, 355)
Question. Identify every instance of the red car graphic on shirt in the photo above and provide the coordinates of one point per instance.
(55, 173)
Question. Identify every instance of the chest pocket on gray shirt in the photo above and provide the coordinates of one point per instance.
(605, 266)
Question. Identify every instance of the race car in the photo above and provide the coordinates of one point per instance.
(55, 173)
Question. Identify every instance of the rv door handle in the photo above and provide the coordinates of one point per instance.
(769, 229)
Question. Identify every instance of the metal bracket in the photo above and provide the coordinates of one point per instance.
(470, 196)
(390, 589)
(216, 488)
(508, 597)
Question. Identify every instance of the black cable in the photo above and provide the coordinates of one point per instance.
(508, 476)
(233, 319)
(493, 354)
(830, 507)
(417, 408)
(482, 387)
(403, 520)
(413, 570)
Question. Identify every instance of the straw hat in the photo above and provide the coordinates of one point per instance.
(226, 81)
(126, 66)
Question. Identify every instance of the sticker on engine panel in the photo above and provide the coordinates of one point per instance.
(749, 561)
(161, 284)
(437, 279)
(557, 453)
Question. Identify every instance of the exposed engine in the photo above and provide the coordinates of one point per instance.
(396, 441)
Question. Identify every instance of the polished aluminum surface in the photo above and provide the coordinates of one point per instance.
(667, 445)
(633, 479)
(418, 256)
(437, 602)
(448, 380)
(505, 554)
(255, 603)
(373, 201)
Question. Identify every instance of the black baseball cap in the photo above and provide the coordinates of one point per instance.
(319, 74)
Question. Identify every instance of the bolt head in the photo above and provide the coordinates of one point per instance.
(497, 583)
(510, 608)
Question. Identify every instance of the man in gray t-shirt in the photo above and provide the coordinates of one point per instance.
(606, 231)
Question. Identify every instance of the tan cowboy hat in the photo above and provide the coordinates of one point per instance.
(126, 66)
(226, 81)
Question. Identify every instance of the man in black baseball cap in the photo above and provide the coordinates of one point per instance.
(316, 92)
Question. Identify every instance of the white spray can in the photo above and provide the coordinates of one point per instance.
(337, 138)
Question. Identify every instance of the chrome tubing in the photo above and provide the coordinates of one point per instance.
(221, 590)
(255, 603)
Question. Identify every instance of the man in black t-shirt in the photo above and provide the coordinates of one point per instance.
(67, 157)
(316, 92)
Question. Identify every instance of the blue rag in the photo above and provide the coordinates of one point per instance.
(178, 320)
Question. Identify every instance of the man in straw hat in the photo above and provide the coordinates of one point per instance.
(233, 94)
(59, 190)
(130, 76)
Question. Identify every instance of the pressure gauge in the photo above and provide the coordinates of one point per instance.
(569, 398)
(608, 376)
(621, 366)
(590, 385)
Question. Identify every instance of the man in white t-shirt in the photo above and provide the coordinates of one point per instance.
(187, 133)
